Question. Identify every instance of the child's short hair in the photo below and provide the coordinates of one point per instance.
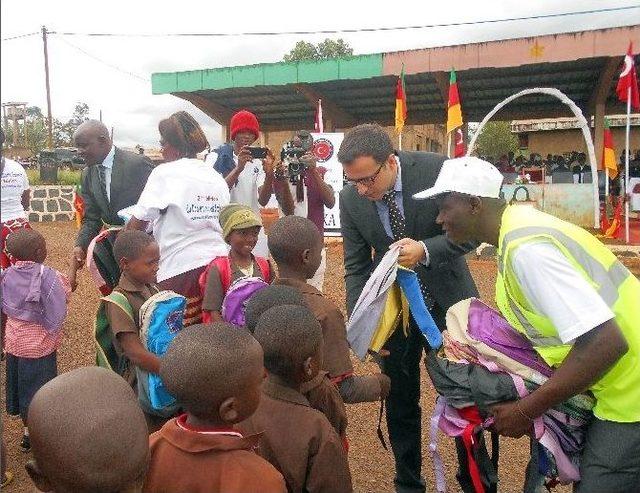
(24, 243)
(290, 236)
(88, 432)
(208, 363)
(129, 244)
(273, 295)
(288, 334)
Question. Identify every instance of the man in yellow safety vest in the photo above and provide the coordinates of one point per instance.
(573, 299)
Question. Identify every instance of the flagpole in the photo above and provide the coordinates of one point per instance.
(449, 145)
(626, 168)
(400, 140)
(606, 182)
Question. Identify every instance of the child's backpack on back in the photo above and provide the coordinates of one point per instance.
(236, 295)
(160, 321)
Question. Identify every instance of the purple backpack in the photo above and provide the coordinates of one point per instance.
(33, 292)
(235, 301)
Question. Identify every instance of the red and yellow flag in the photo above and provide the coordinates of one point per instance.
(454, 111)
(401, 102)
(608, 153)
(78, 206)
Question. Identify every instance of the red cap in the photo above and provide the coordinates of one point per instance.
(246, 121)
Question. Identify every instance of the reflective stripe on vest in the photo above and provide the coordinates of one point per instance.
(608, 280)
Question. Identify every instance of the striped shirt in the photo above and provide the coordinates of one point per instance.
(30, 340)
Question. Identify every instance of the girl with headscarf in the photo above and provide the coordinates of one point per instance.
(182, 200)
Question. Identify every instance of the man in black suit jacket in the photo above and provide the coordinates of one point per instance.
(377, 174)
(126, 174)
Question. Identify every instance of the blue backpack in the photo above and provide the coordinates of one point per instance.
(161, 319)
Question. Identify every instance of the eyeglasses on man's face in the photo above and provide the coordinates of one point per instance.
(366, 181)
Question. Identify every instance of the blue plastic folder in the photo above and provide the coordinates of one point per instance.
(408, 281)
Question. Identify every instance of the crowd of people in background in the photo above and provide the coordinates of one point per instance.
(573, 162)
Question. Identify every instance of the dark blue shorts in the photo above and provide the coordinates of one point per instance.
(25, 376)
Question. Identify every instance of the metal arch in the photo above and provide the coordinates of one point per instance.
(584, 126)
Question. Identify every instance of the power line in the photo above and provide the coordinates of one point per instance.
(20, 36)
(362, 30)
(115, 67)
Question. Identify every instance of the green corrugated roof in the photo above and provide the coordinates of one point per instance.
(268, 74)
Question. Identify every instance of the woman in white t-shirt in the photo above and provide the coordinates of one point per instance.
(182, 199)
(14, 201)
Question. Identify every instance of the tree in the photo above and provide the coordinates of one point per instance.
(329, 48)
(496, 139)
(35, 128)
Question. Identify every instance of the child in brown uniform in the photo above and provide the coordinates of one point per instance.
(296, 246)
(215, 371)
(138, 255)
(321, 393)
(240, 228)
(88, 435)
(298, 440)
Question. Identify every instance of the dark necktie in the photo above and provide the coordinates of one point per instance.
(396, 221)
(102, 175)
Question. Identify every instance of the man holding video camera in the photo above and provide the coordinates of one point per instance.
(307, 194)
(247, 170)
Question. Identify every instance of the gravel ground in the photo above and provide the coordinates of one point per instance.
(371, 466)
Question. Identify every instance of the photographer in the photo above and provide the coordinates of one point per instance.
(250, 179)
(307, 194)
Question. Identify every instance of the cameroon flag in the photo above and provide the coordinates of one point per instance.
(78, 206)
(608, 154)
(401, 103)
(454, 112)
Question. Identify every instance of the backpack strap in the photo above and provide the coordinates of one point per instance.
(265, 268)
(106, 354)
(223, 264)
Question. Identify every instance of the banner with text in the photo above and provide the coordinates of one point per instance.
(325, 149)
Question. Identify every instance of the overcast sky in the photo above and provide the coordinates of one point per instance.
(126, 100)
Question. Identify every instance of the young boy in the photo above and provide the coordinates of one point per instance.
(88, 435)
(240, 229)
(297, 440)
(320, 392)
(34, 299)
(215, 371)
(138, 256)
(296, 246)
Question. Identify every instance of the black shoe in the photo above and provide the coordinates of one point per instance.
(25, 444)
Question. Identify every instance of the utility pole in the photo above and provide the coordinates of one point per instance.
(46, 74)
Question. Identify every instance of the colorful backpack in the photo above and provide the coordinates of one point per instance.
(236, 302)
(160, 319)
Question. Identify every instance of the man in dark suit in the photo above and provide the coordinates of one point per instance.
(377, 210)
(112, 180)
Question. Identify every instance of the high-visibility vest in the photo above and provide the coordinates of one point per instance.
(618, 391)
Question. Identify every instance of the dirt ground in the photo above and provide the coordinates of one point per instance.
(371, 466)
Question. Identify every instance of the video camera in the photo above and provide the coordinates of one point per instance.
(292, 151)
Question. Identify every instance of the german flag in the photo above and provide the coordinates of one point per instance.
(454, 111)
(608, 154)
(401, 102)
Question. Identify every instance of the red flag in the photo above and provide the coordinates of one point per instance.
(319, 125)
(629, 80)
(459, 150)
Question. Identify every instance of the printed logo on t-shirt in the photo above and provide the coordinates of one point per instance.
(206, 208)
